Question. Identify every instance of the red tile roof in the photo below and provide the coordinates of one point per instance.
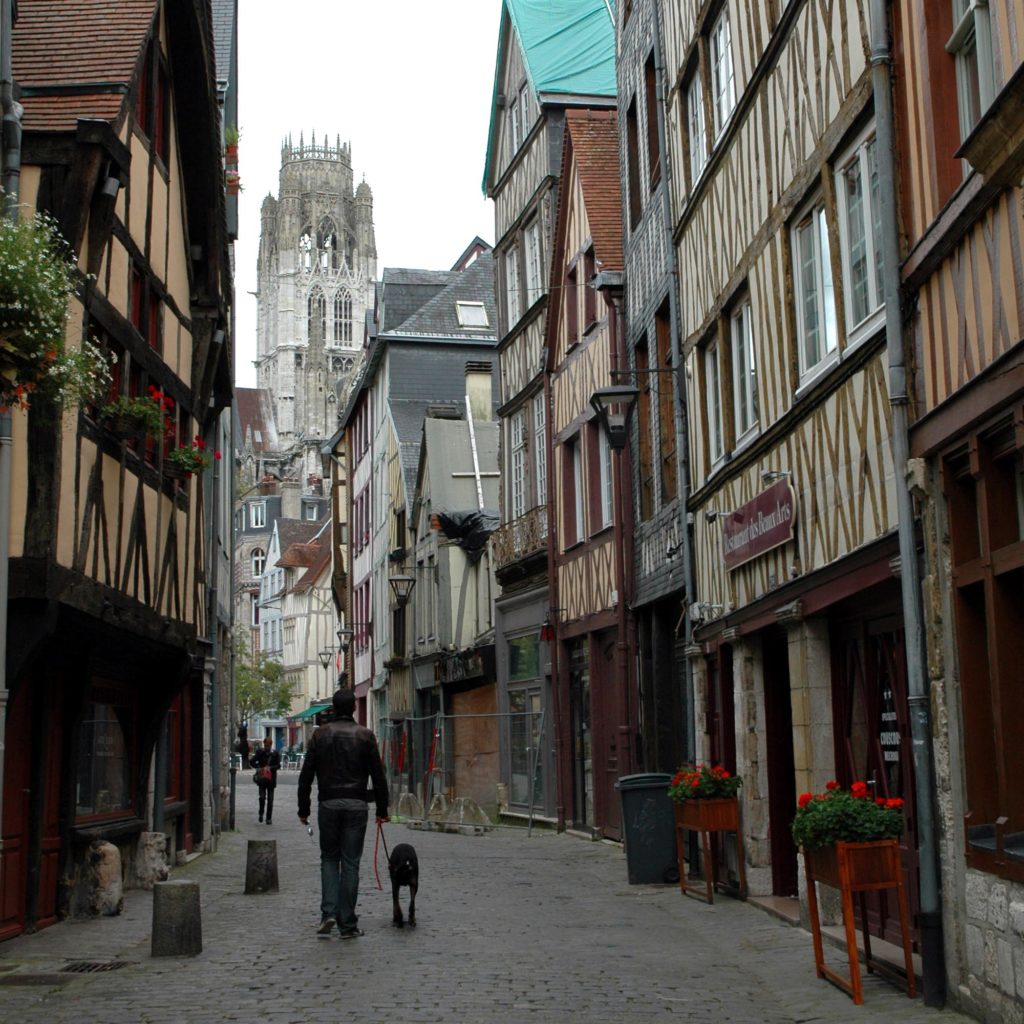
(82, 55)
(595, 145)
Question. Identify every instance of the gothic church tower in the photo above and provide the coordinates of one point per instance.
(317, 266)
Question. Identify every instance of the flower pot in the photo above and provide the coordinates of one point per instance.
(175, 471)
(231, 154)
(855, 864)
(709, 815)
(124, 426)
(858, 868)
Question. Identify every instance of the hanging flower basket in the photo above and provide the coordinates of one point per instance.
(190, 458)
(175, 470)
(37, 276)
(129, 415)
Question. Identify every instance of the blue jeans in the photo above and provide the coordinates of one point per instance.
(342, 834)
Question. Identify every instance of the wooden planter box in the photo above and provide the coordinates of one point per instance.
(705, 817)
(125, 427)
(172, 471)
(858, 868)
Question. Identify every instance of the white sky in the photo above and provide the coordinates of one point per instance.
(408, 83)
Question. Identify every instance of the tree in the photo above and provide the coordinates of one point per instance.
(260, 686)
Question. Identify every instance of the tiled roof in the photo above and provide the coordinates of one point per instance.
(89, 46)
(254, 411)
(320, 560)
(295, 531)
(595, 146)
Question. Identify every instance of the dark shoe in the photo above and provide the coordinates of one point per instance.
(260, 819)
(354, 934)
(325, 929)
(268, 821)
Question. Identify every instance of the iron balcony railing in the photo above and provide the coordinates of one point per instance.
(525, 536)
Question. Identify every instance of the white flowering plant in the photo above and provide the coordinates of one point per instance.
(38, 274)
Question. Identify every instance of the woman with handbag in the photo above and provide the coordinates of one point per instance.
(266, 761)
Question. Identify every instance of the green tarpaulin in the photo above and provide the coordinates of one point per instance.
(309, 712)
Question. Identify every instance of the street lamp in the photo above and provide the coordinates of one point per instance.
(325, 659)
(614, 406)
(344, 639)
(402, 586)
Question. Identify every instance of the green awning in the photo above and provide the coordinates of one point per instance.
(309, 712)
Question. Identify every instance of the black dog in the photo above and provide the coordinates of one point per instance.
(404, 869)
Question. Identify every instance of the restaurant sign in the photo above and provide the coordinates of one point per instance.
(761, 524)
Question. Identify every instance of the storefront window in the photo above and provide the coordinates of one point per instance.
(525, 747)
(103, 786)
(523, 660)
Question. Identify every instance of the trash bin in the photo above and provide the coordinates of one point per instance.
(648, 828)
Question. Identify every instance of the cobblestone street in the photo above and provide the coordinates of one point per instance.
(511, 928)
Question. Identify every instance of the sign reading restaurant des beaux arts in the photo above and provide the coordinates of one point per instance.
(763, 523)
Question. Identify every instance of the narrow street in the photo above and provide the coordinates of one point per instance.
(511, 928)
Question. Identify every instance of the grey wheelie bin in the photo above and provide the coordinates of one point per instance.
(648, 828)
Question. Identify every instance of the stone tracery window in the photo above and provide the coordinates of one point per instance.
(343, 316)
(317, 309)
(327, 245)
(305, 249)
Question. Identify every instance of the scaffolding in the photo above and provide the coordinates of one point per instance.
(445, 770)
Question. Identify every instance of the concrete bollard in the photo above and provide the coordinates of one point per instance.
(177, 919)
(261, 866)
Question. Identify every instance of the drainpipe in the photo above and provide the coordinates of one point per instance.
(10, 146)
(930, 919)
(681, 426)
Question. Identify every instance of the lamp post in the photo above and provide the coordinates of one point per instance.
(402, 586)
(344, 642)
(614, 406)
(325, 659)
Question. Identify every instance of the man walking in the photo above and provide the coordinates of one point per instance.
(341, 754)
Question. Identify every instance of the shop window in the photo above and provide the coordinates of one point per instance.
(102, 776)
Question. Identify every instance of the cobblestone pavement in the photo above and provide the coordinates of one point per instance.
(511, 928)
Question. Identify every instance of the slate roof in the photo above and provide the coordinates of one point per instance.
(595, 145)
(223, 15)
(295, 531)
(438, 316)
(86, 49)
(403, 292)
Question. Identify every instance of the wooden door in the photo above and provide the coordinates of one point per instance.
(873, 742)
(17, 788)
(778, 718)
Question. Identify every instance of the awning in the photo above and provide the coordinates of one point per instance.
(309, 712)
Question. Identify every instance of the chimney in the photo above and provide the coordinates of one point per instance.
(478, 390)
(290, 491)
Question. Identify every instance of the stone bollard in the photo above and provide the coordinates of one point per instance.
(261, 866)
(177, 920)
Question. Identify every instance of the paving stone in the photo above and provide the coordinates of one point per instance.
(538, 930)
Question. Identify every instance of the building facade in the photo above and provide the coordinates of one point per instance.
(114, 631)
(536, 80)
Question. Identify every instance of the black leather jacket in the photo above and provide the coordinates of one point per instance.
(342, 755)
(270, 758)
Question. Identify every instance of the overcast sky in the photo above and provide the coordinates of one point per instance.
(407, 83)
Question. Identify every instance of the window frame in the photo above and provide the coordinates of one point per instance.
(972, 24)
(462, 306)
(533, 276)
(814, 211)
(723, 94)
(694, 111)
(540, 459)
(513, 298)
(518, 454)
(858, 153)
(257, 555)
(711, 356)
(744, 382)
(258, 515)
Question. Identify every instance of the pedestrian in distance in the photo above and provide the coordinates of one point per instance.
(266, 761)
(341, 756)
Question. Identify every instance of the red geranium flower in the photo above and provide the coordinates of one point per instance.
(805, 799)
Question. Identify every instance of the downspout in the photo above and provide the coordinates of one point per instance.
(681, 426)
(10, 147)
(918, 700)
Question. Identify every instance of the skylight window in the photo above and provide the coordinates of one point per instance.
(471, 314)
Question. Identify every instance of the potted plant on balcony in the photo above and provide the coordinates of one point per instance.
(231, 137)
(186, 459)
(129, 415)
(234, 182)
(38, 275)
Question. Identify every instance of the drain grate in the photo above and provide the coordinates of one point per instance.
(93, 967)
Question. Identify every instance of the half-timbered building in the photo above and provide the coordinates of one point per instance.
(111, 638)
(661, 547)
(548, 60)
(800, 664)
(959, 120)
(590, 531)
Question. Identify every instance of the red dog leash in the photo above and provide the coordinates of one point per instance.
(377, 842)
